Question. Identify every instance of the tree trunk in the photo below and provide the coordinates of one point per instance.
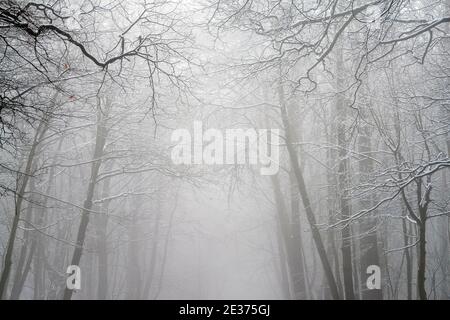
(154, 251)
(305, 199)
(408, 261)
(421, 277)
(331, 198)
(102, 241)
(166, 249)
(345, 214)
(423, 201)
(343, 178)
(368, 224)
(40, 132)
(26, 253)
(87, 207)
(282, 261)
(294, 259)
(133, 270)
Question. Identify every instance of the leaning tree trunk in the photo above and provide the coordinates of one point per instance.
(293, 253)
(24, 265)
(295, 227)
(40, 132)
(100, 141)
(296, 233)
(305, 199)
(26, 252)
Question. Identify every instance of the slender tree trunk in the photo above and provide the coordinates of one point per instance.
(22, 186)
(133, 270)
(343, 178)
(295, 226)
(154, 252)
(293, 253)
(165, 252)
(345, 214)
(408, 261)
(39, 280)
(306, 200)
(368, 225)
(102, 256)
(102, 241)
(26, 252)
(87, 207)
(21, 277)
(26, 271)
(283, 267)
(331, 198)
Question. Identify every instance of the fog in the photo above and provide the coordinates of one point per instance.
(233, 149)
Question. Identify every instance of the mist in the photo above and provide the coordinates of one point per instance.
(233, 149)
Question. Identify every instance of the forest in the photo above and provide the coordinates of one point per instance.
(225, 149)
